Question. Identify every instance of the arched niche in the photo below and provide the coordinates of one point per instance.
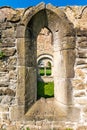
(33, 20)
(46, 59)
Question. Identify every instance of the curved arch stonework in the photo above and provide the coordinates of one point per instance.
(63, 46)
(45, 56)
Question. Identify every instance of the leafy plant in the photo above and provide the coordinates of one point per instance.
(26, 128)
(69, 129)
(2, 129)
(2, 55)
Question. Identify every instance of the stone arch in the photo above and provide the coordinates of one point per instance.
(45, 56)
(82, 12)
(49, 59)
(64, 55)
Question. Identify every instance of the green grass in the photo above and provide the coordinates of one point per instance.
(41, 71)
(48, 71)
(45, 89)
(69, 129)
(26, 128)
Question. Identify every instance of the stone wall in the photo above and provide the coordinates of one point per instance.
(78, 16)
(9, 21)
(8, 60)
(44, 43)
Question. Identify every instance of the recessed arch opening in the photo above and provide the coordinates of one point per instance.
(45, 82)
(63, 50)
(45, 67)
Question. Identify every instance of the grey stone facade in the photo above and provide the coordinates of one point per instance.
(19, 30)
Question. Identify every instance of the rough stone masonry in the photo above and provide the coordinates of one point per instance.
(19, 50)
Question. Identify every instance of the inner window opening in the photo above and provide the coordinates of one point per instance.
(45, 83)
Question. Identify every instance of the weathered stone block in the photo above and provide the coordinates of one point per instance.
(32, 11)
(11, 127)
(79, 73)
(15, 17)
(8, 33)
(20, 31)
(16, 112)
(4, 109)
(7, 100)
(80, 94)
(12, 61)
(63, 90)
(68, 43)
(83, 44)
(7, 44)
(8, 41)
(30, 80)
(21, 85)
(3, 84)
(9, 51)
(81, 40)
(64, 63)
(85, 110)
(78, 84)
(21, 51)
(82, 33)
(82, 127)
(80, 61)
(73, 114)
(9, 92)
(81, 101)
(82, 53)
(12, 75)
(5, 116)
(26, 81)
(46, 46)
